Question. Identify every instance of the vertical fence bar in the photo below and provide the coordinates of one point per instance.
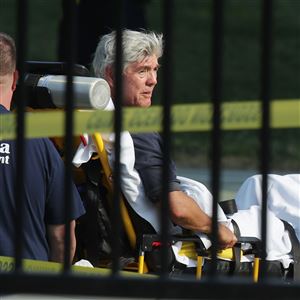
(22, 7)
(167, 98)
(116, 216)
(71, 37)
(217, 51)
(266, 42)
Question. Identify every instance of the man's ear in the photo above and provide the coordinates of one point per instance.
(15, 80)
(109, 77)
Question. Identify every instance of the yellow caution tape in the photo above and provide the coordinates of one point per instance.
(189, 117)
(7, 264)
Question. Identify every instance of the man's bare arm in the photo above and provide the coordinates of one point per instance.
(56, 236)
(185, 212)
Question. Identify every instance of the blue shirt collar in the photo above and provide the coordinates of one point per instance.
(3, 109)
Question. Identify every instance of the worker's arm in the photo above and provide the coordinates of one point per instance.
(56, 236)
(185, 212)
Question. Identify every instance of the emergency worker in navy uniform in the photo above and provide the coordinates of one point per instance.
(141, 51)
(44, 221)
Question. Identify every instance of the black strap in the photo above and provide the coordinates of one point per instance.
(295, 249)
(237, 247)
(229, 206)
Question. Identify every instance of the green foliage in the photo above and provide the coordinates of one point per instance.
(43, 24)
(192, 46)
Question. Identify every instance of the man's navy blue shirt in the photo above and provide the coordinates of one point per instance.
(43, 198)
(149, 164)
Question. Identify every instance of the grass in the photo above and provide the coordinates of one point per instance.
(191, 73)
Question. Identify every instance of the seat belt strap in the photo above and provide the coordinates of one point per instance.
(237, 248)
(295, 249)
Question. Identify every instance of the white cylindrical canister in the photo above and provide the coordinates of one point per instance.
(89, 92)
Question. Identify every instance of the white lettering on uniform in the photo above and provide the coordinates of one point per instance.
(4, 149)
(4, 160)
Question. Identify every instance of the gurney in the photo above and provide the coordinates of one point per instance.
(232, 259)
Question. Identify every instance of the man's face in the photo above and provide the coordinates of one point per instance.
(139, 80)
(8, 85)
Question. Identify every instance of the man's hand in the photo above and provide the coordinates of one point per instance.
(227, 239)
(186, 213)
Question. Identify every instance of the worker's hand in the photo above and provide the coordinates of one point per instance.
(227, 239)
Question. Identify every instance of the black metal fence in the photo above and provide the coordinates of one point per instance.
(213, 287)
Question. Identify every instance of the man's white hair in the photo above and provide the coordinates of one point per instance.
(136, 46)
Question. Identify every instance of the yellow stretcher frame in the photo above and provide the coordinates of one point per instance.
(128, 225)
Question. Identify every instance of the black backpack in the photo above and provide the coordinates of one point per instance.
(93, 231)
